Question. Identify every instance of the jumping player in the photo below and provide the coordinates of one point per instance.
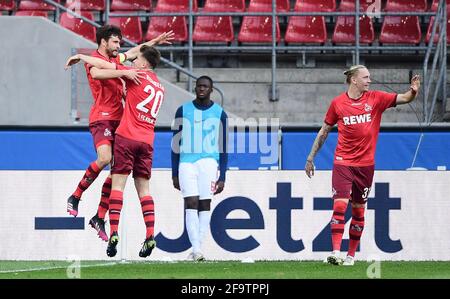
(133, 149)
(105, 114)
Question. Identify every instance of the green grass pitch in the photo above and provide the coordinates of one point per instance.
(224, 270)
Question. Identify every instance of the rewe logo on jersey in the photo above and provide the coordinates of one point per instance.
(357, 119)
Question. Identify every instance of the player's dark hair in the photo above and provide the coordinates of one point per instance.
(206, 78)
(106, 32)
(151, 54)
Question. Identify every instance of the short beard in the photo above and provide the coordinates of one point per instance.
(111, 53)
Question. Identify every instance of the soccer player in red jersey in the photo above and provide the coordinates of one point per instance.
(106, 112)
(357, 113)
(133, 149)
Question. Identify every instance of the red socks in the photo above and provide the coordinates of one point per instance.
(115, 206)
(337, 224)
(356, 229)
(89, 176)
(104, 200)
(148, 211)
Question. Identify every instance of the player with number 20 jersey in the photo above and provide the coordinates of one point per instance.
(133, 149)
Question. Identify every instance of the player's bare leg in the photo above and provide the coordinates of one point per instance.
(115, 207)
(337, 229)
(103, 158)
(148, 212)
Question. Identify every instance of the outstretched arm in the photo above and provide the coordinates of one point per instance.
(410, 95)
(94, 61)
(102, 69)
(318, 142)
(164, 38)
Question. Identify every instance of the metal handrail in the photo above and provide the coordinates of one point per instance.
(440, 53)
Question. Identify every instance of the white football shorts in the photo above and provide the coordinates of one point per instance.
(198, 178)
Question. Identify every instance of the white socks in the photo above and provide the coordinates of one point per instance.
(204, 218)
(192, 226)
(197, 225)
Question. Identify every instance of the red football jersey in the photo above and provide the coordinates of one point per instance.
(141, 108)
(107, 94)
(358, 125)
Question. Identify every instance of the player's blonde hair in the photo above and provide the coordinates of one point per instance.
(352, 71)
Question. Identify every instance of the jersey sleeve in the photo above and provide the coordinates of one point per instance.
(331, 118)
(87, 66)
(385, 100)
(223, 146)
(177, 126)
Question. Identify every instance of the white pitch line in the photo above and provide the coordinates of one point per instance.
(54, 268)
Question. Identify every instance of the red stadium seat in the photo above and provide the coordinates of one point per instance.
(79, 26)
(400, 30)
(32, 13)
(131, 5)
(217, 28)
(306, 30)
(86, 4)
(36, 5)
(266, 5)
(257, 29)
(344, 31)
(130, 26)
(315, 5)
(435, 3)
(225, 5)
(436, 36)
(213, 29)
(7, 4)
(406, 5)
(175, 5)
(159, 25)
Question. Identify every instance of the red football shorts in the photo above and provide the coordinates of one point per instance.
(131, 155)
(103, 131)
(352, 182)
